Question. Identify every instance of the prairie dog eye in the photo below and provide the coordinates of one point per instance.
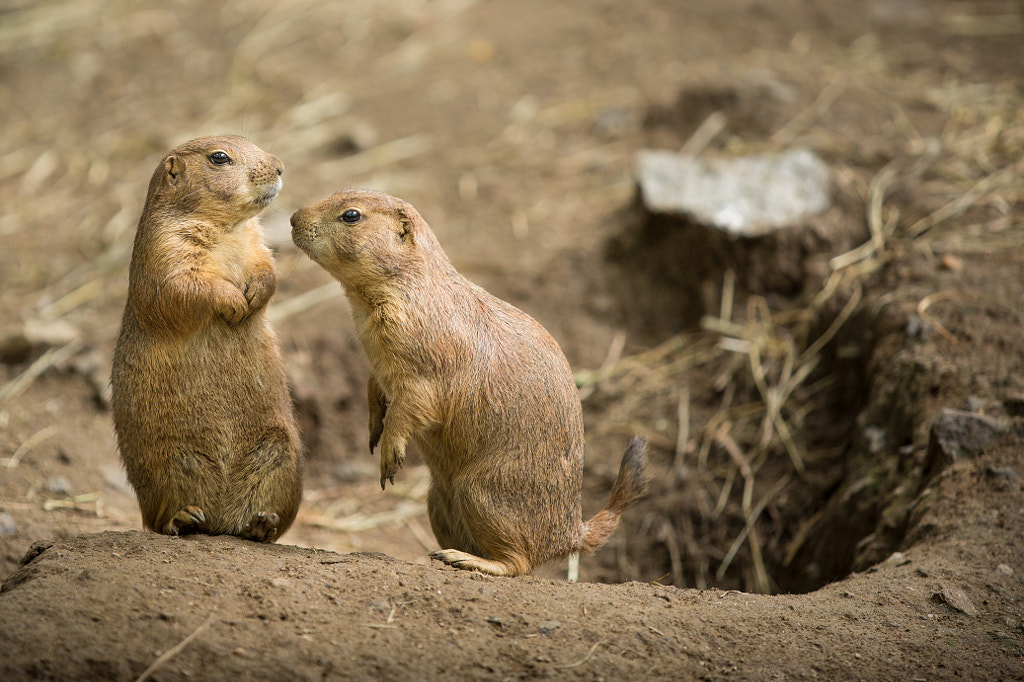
(220, 158)
(351, 216)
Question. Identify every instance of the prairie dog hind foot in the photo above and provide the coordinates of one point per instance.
(262, 527)
(471, 562)
(190, 519)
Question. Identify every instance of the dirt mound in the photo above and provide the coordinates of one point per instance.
(114, 605)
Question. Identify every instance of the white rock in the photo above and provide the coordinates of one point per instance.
(746, 196)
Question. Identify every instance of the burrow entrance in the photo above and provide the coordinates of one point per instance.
(787, 419)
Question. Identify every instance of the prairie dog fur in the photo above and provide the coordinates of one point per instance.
(202, 410)
(480, 386)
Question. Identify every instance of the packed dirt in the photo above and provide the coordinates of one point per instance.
(835, 438)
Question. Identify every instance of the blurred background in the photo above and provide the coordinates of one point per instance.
(513, 127)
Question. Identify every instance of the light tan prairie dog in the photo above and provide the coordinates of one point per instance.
(203, 414)
(480, 386)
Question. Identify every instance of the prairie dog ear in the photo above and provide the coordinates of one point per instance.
(173, 167)
(404, 226)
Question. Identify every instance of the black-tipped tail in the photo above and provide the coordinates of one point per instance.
(630, 485)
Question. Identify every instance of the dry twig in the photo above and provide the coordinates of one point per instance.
(50, 358)
(806, 118)
(748, 527)
(29, 443)
(279, 312)
(359, 521)
(683, 433)
(582, 660)
(174, 651)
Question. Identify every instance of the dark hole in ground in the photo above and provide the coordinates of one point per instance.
(754, 503)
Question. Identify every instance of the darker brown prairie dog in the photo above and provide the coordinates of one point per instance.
(202, 410)
(479, 385)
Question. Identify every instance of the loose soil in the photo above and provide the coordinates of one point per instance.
(802, 521)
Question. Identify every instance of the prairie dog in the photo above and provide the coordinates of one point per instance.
(202, 410)
(481, 387)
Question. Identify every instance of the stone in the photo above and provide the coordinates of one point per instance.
(1002, 478)
(746, 196)
(34, 551)
(58, 485)
(951, 263)
(956, 434)
(976, 404)
(549, 626)
(918, 329)
(874, 439)
(898, 559)
(8, 526)
(957, 599)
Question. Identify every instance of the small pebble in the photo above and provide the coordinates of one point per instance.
(549, 626)
(7, 524)
(898, 559)
(951, 263)
(958, 434)
(1000, 472)
(917, 328)
(58, 485)
(957, 599)
(1001, 568)
(874, 437)
(975, 404)
(1001, 478)
(612, 122)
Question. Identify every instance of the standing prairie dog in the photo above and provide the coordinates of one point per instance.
(202, 410)
(481, 387)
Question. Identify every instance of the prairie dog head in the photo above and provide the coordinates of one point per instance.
(364, 238)
(224, 179)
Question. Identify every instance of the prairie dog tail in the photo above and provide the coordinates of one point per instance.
(630, 484)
